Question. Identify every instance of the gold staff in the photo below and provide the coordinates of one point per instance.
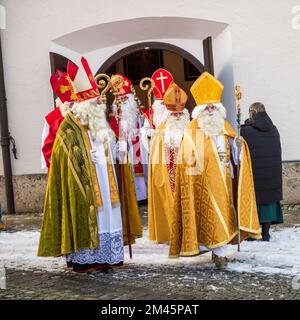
(150, 89)
(238, 97)
(117, 82)
(104, 84)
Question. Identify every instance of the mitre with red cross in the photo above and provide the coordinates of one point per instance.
(162, 79)
(120, 84)
(83, 80)
(63, 87)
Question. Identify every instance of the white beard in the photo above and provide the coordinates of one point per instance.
(64, 108)
(175, 129)
(211, 125)
(158, 111)
(93, 115)
(130, 112)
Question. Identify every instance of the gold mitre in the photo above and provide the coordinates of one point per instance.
(207, 89)
(175, 98)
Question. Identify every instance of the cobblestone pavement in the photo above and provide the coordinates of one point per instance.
(144, 282)
(151, 283)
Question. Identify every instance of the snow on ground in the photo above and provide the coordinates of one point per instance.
(281, 255)
(19, 249)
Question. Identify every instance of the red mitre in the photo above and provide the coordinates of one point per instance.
(63, 87)
(162, 79)
(83, 80)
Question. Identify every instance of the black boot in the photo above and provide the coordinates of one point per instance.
(265, 231)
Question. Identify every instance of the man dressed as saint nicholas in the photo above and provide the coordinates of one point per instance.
(132, 228)
(153, 117)
(129, 126)
(82, 210)
(208, 196)
(162, 163)
(64, 101)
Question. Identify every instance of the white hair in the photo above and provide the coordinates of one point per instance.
(213, 124)
(158, 112)
(130, 112)
(92, 114)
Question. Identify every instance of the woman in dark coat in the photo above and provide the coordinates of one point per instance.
(264, 142)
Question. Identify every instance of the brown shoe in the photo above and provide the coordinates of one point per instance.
(219, 262)
(2, 227)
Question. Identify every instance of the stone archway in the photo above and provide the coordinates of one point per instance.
(165, 47)
(151, 45)
(100, 42)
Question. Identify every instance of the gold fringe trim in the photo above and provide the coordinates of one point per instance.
(113, 186)
(139, 174)
(189, 254)
(174, 257)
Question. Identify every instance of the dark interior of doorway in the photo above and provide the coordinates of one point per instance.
(144, 62)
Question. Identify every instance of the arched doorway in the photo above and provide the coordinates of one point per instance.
(146, 57)
(100, 42)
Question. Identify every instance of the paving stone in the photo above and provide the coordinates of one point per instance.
(146, 282)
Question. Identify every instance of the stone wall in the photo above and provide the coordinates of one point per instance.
(29, 192)
(291, 182)
(29, 189)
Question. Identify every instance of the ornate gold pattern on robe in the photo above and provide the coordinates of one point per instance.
(160, 196)
(70, 210)
(204, 212)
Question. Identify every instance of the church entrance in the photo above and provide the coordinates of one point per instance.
(137, 46)
(141, 60)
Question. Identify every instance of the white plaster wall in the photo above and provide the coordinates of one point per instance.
(223, 67)
(265, 53)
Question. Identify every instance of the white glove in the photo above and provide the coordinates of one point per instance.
(239, 141)
(122, 146)
(95, 155)
(150, 132)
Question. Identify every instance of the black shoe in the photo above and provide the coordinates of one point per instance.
(82, 268)
(266, 231)
(69, 264)
(108, 270)
(266, 238)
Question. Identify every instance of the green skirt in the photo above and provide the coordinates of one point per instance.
(270, 213)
